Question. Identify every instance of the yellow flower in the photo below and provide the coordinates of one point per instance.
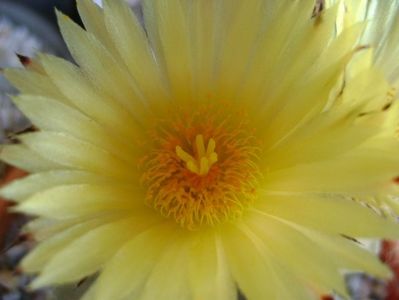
(380, 48)
(217, 148)
(381, 33)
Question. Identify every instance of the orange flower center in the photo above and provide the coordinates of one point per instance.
(201, 173)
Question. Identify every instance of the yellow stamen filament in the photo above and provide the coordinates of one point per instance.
(205, 157)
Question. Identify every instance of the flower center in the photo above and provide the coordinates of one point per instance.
(201, 168)
(205, 157)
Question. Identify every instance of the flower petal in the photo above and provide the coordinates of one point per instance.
(363, 170)
(33, 83)
(20, 189)
(209, 273)
(52, 115)
(93, 57)
(93, 20)
(84, 95)
(257, 273)
(37, 258)
(71, 201)
(330, 214)
(168, 278)
(88, 253)
(131, 41)
(27, 159)
(128, 270)
(173, 32)
(318, 261)
(74, 153)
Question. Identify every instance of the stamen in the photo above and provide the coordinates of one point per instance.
(205, 158)
(186, 179)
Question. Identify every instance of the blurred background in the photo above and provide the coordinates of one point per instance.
(26, 28)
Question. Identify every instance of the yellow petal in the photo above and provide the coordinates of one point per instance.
(256, 271)
(311, 264)
(93, 58)
(335, 215)
(34, 84)
(71, 152)
(93, 20)
(209, 273)
(71, 201)
(172, 27)
(51, 115)
(88, 253)
(19, 190)
(38, 257)
(326, 136)
(128, 270)
(168, 278)
(84, 95)
(238, 42)
(319, 262)
(27, 159)
(131, 41)
(361, 170)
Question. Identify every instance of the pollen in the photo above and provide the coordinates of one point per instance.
(201, 173)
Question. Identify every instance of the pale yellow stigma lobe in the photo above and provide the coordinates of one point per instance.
(201, 163)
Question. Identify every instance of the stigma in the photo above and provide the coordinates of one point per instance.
(203, 157)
